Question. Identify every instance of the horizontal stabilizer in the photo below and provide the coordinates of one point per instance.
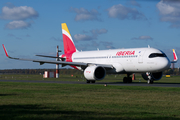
(47, 56)
(61, 58)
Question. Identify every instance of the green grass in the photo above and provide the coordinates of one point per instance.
(79, 102)
(108, 78)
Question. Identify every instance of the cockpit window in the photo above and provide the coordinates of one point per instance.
(157, 55)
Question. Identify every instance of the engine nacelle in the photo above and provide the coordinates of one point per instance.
(154, 76)
(94, 73)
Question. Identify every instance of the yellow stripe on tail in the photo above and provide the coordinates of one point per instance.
(64, 27)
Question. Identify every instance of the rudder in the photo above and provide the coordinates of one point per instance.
(69, 46)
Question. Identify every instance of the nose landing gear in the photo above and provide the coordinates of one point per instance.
(150, 80)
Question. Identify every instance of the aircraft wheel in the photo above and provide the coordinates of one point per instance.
(93, 81)
(150, 81)
(129, 80)
(87, 81)
(125, 80)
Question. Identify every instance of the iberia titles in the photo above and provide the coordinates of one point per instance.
(123, 53)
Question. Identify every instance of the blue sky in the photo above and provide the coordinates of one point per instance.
(29, 27)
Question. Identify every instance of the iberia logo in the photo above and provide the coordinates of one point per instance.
(88, 71)
(122, 53)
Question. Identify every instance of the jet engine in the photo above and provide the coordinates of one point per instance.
(154, 76)
(94, 73)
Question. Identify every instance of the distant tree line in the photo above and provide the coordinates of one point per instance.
(39, 71)
(175, 71)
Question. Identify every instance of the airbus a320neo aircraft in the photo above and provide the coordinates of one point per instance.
(96, 64)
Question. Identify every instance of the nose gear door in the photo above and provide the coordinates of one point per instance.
(140, 56)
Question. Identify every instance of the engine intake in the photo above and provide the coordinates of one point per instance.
(94, 73)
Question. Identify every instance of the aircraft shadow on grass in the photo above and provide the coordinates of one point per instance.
(40, 112)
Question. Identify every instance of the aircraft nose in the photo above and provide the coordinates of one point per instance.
(165, 64)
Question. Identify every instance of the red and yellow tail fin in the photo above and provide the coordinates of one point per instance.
(69, 46)
(175, 57)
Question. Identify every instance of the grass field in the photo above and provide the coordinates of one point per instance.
(79, 102)
(108, 78)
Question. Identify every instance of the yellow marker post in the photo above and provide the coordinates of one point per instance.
(168, 76)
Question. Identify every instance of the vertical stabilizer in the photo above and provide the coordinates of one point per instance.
(175, 56)
(69, 46)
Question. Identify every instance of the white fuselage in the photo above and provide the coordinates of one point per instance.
(126, 60)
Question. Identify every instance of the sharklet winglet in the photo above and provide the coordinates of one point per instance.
(5, 50)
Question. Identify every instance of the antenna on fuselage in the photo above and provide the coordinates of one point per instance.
(149, 46)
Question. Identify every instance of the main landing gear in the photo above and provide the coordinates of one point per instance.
(127, 79)
(90, 81)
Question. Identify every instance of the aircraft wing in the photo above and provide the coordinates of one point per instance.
(58, 62)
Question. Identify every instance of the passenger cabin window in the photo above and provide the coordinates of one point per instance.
(157, 55)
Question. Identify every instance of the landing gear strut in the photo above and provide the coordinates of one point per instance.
(127, 79)
(150, 80)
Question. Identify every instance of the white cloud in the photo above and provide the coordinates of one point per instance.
(82, 37)
(93, 45)
(94, 34)
(83, 14)
(169, 11)
(18, 13)
(143, 38)
(107, 45)
(101, 31)
(121, 12)
(17, 25)
(83, 47)
(134, 3)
